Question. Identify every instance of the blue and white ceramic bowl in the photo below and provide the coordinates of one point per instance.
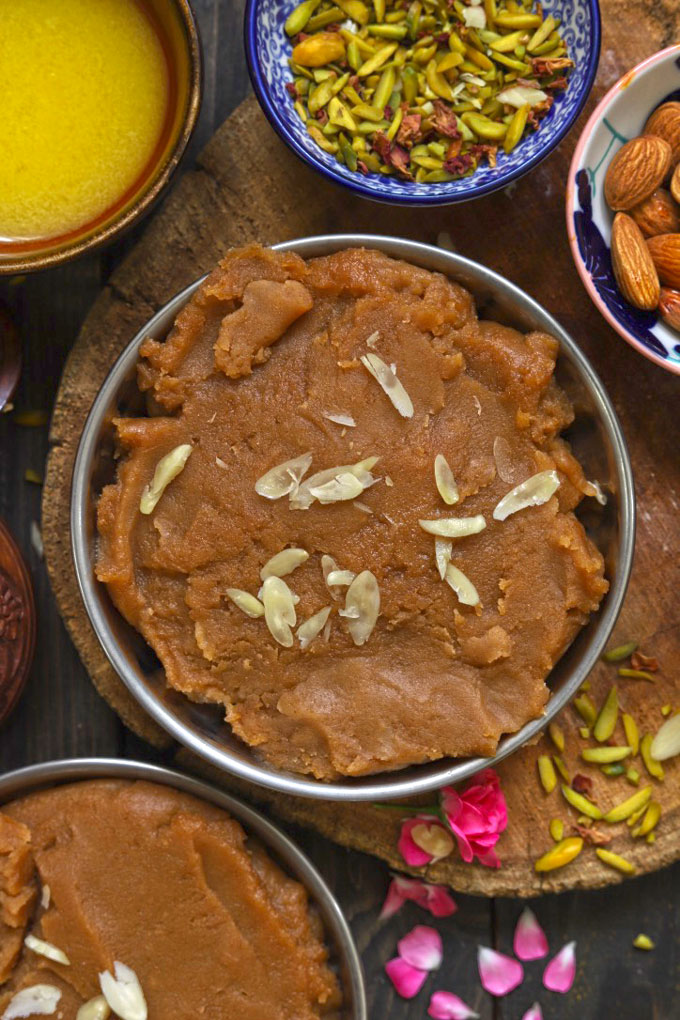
(268, 49)
(619, 117)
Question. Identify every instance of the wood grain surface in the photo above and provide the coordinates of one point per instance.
(60, 714)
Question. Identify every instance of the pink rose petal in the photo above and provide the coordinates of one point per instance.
(447, 1006)
(422, 948)
(406, 979)
(559, 975)
(435, 898)
(530, 942)
(498, 973)
(533, 1013)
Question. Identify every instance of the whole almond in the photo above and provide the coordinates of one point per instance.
(665, 252)
(669, 307)
(632, 263)
(657, 214)
(675, 184)
(665, 123)
(637, 169)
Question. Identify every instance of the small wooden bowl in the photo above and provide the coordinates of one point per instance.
(17, 623)
(176, 20)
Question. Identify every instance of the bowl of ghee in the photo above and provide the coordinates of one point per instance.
(100, 98)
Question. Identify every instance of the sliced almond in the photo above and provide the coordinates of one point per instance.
(123, 993)
(284, 562)
(666, 743)
(283, 478)
(47, 950)
(45, 896)
(446, 483)
(339, 577)
(303, 497)
(387, 379)
(279, 610)
(372, 340)
(343, 487)
(462, 585)
(308, 630)
(442, 554)
(246, 602)
(519, 95)
(502, 455)
(167, 469)
(96, 1009)
(454, 527)
(594, 489)
(533, 492)
(363, 595)
(37, 1000)
(340, 419)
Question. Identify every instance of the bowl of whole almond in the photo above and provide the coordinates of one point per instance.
(623, 207)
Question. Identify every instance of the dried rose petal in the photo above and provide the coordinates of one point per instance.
(533, 1013)
(447, 1006)
(422, 948)
(559, 975)
(407, 980)
(498, 973)
(435, 898)
(529, 942)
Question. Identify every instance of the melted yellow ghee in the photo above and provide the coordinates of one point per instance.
(84, 90)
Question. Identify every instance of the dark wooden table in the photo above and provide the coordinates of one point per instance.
(61, 715)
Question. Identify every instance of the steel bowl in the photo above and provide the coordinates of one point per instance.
(344, 957)
(595, 436)
(182, 45)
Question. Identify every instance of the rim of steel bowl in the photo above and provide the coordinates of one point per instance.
(344, 954)
(199, 727)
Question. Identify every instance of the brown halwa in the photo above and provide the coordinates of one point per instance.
(167, 885)
(267, 349)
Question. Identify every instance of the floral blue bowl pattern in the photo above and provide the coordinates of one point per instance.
(268, 49)
(621, 116)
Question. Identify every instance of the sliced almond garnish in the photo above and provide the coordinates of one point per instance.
(533, 492)
(284, 562)
(388, 482)
(246, 602)
(475, 400)
(666, 743)
(462, 585)
(446, 483)
(372, 340)
(46, 949)
(37, 1000)
(96, 1009)
(340, 419)
(308, 630)
(303, 497)
(594, 489)
(442, 554)
(454, 527)
(364, 507)
(343, 487)
(387, 379)
(363, 595)
(339, 577)
(167, 469)
(45, 896)
(279, 610)
(284, 478)
(123, 993)
(502, 454)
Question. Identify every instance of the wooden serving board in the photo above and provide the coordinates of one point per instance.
(247, 186)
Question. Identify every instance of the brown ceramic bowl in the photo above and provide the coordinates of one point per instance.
(177, 26)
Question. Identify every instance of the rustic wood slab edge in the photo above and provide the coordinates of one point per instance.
(223, 203)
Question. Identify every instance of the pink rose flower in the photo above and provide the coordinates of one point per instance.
(477, 817)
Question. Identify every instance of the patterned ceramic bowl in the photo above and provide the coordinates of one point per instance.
(620, 116)
(268, 50)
